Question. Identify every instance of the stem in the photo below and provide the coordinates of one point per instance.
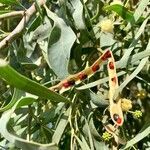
(20, 27)
(29, 121)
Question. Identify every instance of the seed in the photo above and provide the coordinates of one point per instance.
(95, 67)
(68, 83)
(111, 65)
(106, 55)
(82, 76)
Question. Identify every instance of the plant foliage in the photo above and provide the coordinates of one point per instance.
(60, 39)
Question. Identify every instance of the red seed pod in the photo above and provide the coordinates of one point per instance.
(111, 65)
(82, 76)
(95, 67)
(68, 83)
(117, 118)
(106, 55)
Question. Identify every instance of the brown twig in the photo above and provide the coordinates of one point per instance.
(27, 15)
(12, 14)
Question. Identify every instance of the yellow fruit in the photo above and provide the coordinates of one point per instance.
(106, 25)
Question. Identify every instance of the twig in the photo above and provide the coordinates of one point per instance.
(12, 14)
(28, 14)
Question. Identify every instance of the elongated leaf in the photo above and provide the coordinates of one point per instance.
(136, 71)
(89, 135)
(83, 144)
(106, 39)
(26, 101)
(141, 7)
(19, 142)
(123, 12)
(61, 127)
(138, 12)
(17, 95)
(145, 131)
(61, 40)
(78, 14)
(21, 82)
(125, 58)
(9, 2)
(100, 145)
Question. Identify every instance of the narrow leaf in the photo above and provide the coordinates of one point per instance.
(16, 95)
(78, 14)
(145, 131)
(125, 58)
(9, 2)
(123, 12)
(19, 142)
(135, 72)
(61, 127)
(21, 82)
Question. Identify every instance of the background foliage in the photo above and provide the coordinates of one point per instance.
(61, 39)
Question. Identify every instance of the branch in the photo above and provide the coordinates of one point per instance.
(11, 14)
(28, 14)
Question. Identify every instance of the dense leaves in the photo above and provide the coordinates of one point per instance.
(62, 38)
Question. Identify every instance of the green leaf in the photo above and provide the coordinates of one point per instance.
(61, 127)
(106, 39)
(16, 95)
(19, 142)
(101, 145)
(141, 7)
(9, 2)
(78, 14)
(123, 12)
(135, 72)
(21, 82)
(61, 40)
(83, 144)
(36, 34)
(26, 101)
(138, 12)
(145, 131)
(124, 60)
(98, 100)
(89, 135)
(4, 11)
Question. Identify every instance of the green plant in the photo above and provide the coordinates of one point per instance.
(41, 43)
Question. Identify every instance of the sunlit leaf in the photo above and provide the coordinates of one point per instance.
(25, 84)
(60, 43)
